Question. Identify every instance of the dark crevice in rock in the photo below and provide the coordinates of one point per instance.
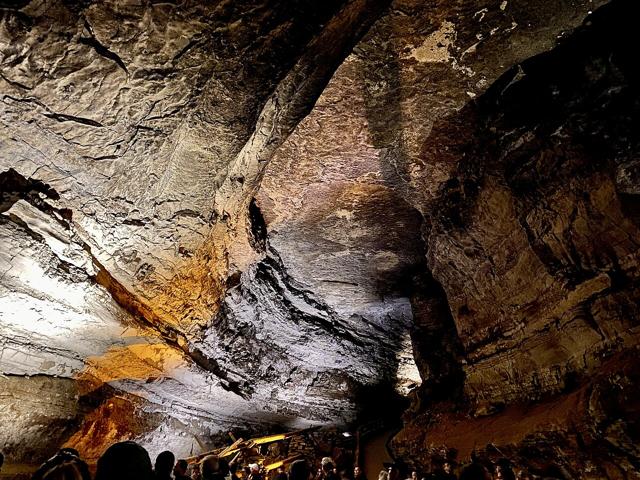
(30, 375)
(62, 117)
(135, 222)
(340, 282)
(257, 227)
(192, 43)
(242, 389)
(101, 157)
(100, 49)
(24, 100)
(14, 186)
(14, 83)
(436, 345)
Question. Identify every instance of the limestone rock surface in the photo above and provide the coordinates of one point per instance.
(534, 240)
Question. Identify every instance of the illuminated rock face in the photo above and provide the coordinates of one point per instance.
(134, 116)
(257, 214)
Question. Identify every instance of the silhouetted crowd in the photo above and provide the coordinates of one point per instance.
(445, 470)
(477, 469)
(130, 461)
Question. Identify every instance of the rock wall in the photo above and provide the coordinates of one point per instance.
(534, 240)
(120, 122)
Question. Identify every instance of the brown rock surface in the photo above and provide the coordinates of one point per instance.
(536, 248)
(586, 432)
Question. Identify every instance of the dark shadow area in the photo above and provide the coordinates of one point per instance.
(379, 403)
(17, 4)
(436, 345)
(564, 121)
(435, 341)
(257, 228)
(14, 187)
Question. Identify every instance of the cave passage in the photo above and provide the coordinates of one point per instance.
(337, 240)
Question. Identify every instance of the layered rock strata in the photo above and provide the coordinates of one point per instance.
(535, 240)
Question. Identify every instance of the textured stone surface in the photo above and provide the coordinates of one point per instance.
(59, 324)
(538, 229)
(134, 115)
(586, 433)
(265, 213)
(535, 242)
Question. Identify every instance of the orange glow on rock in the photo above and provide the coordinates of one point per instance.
(139, 361)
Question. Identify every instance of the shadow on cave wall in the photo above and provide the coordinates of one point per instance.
(436, 346)
(557, 131)
(558, 122)
(14, 187)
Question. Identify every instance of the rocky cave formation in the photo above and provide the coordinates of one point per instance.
(267, 214)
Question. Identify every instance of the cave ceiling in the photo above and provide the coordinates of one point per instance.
(239, 213)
